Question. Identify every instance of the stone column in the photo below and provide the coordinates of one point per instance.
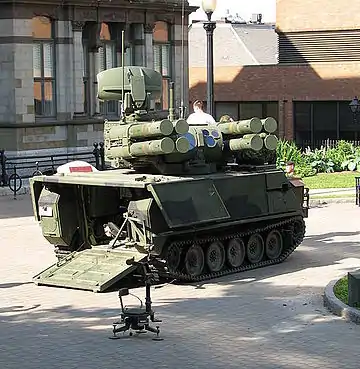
(180, 69)
(64, 71)
(17, 72)
(139, 44)
(149, 51)
(7, 78)
(94, 67)
(78, 68)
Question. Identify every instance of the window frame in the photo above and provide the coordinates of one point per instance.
(42, 79)
(104, 106)
(166, 78)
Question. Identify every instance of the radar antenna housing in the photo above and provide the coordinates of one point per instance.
(142, 87)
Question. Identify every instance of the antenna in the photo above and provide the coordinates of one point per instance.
(182, 107)
(123, 74)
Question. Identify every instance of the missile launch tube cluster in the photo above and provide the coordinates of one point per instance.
(165, 137)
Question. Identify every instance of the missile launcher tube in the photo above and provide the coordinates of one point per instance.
(269, 124)
(181, 126)
(157, 147)
(142, 130)
(182, 145)
(252, 125)
(271, 142)
(147, 148)
(253, 142)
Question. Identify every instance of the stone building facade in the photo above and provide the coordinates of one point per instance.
(51, 52)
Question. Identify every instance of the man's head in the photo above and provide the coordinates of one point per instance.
(198, 106)
(226, 118)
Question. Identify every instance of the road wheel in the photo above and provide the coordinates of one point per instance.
(194, 260)
(255, 248)
(235, 252)
(274, 245)
(215, 256)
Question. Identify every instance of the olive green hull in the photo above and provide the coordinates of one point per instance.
(165, 216)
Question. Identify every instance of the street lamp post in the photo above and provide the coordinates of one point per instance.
(355, 108)
(209, 7)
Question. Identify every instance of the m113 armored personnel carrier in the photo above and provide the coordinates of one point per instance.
(198, 201)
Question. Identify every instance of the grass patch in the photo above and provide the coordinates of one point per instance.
(331, 180)
(341, 290)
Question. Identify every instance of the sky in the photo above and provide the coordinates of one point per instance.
(243, 7)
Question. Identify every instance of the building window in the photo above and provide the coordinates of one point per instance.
(323, 123)
(226, 108)
(43, 67)
(129, 56)
(107, 59)
(303, 123)
(246, 110)
(162, 60)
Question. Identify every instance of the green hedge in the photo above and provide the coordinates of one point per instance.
(343, 157)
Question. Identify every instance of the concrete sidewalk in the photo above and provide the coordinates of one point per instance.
(268, 318)
(333, 191)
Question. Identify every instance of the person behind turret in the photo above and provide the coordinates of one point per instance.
(199, 117)
(226, 119)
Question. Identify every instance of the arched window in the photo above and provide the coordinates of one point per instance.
(107, 59)
(162, 59)
(43, 67)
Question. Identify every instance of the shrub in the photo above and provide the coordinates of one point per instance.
(288, 151)
(344, 156)
(319, 160)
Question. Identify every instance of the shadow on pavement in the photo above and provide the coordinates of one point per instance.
(15, 208)
(266, 318)
(13, 284)
(263, 327)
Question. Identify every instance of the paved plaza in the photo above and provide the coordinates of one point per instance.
(266, 318)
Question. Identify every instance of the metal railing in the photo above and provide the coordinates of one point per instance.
(15, 168)
(328, 143)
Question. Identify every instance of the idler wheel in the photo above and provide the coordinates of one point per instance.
(173, 257)
(235, 252)
(255, 248)
(194, 260)
(274, 245)
(215, 256)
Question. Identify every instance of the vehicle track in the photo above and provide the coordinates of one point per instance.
(288, 248)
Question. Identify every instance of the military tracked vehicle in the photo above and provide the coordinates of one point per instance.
(197, 201)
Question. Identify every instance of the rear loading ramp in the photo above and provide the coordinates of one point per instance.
(94, 269)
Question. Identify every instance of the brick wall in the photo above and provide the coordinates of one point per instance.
(307, 15)
(280, 83)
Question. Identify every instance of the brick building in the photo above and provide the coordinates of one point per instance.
(316, 76)
(51, 51)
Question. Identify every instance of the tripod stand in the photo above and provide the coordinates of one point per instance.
(138, 319)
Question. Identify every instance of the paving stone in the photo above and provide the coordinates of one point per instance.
(267, 318)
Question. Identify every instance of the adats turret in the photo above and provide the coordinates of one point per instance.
(153, 142)
(143, 133)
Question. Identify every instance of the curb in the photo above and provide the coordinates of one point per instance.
(338, 307)
(325, 201)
